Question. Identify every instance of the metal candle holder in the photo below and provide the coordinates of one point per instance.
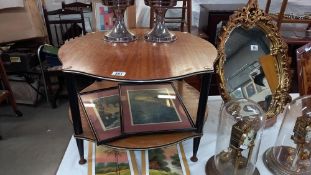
(160, 33)
(119, 32)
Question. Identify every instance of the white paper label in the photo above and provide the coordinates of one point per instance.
(15, 59)
(254, 47)
(117, 73)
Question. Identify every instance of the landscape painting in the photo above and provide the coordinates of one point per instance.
(111, 162)
(107, 109)
(152, 106)
(164, 161)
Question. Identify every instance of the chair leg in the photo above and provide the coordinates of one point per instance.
(7, 86)
(14, 106)
(50, 96)
(59, 90)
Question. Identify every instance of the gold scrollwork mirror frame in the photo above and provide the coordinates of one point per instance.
(248, 17)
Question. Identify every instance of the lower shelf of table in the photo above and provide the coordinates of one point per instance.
(190, 98)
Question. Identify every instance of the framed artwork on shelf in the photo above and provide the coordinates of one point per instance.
(150, 108)
(102, 109)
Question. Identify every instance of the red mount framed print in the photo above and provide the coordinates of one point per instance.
(152, 108)
(103, 111)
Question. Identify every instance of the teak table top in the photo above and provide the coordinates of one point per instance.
(141, 61)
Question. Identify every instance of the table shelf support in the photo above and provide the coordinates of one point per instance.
(75, 113)
(205, 86)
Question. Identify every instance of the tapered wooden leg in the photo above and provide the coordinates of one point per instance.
(196, 143)
(81, 151)
(75, 112)
(205, 85)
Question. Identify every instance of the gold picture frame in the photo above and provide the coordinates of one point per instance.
(250, 17)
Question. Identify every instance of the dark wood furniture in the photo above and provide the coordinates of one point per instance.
(281, 17)
(6, 93)
(211, 15)
(77, 6)
(304, 69)
(63, 24)
(295, 37)
(184, 19)
(291, 36)
(90, 55)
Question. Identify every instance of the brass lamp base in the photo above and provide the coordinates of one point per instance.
(275, 167)
(210, 168)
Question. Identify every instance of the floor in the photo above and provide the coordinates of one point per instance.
(35, 143)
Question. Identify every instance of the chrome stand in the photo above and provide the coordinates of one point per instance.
(160, 33)
(119, 33)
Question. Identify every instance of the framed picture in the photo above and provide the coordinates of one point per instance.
(153, 108)
(250, 89)
(113, 161)
(103, 111)
(169, 160)
(103, 17)
(237, 93)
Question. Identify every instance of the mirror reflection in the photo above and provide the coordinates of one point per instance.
(243, 73)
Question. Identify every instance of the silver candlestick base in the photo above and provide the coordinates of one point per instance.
(119, 32)
(159, 32)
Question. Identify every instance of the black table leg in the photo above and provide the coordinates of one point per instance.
(205, 85)
(75, 112)
(81, 151)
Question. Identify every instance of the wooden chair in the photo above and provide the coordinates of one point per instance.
(184, 20)
(6, 93)
(77, 6)
(62, 25)
(290, 36)
(304, 69)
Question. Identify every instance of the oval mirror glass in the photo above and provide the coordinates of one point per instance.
(244, 76)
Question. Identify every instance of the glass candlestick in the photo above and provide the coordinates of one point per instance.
(160, 33)
(119, 32)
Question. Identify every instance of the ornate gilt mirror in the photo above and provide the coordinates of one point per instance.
(252, 61)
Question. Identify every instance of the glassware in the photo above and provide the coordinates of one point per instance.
(159, 32)
(240, 128)
(291, 153)
(119, 32)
